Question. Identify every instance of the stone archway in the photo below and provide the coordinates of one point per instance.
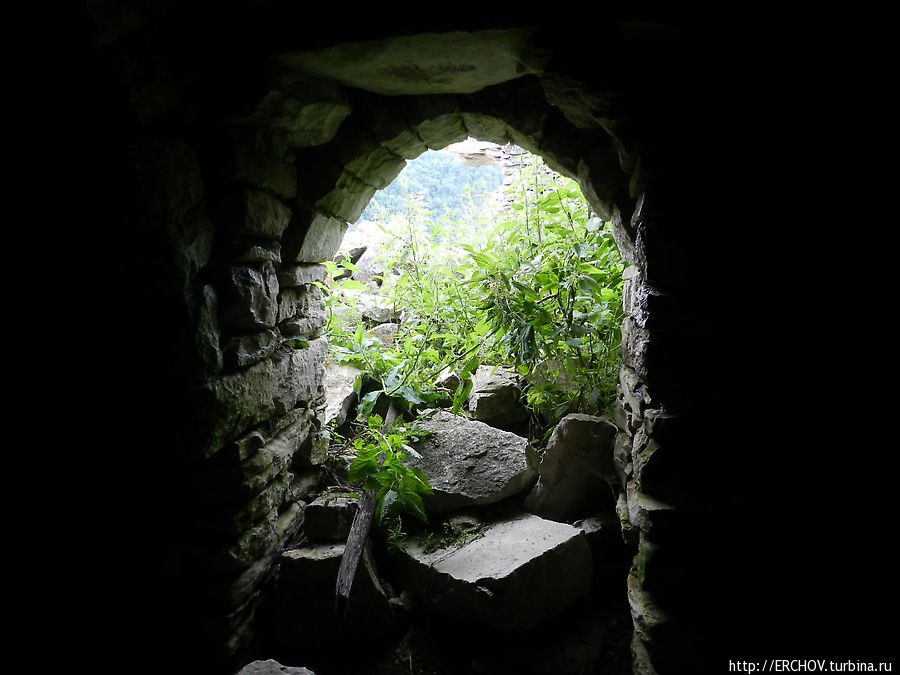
(140, 178)
(305, 159)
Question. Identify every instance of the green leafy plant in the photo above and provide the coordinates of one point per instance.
(378, 465)
(551, 294)
(535, 287)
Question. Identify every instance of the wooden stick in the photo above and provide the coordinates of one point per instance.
(356, 540)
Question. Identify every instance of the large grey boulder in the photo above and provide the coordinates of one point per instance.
(576, 470)
(469, 463)
(522, 571)
(496, 397)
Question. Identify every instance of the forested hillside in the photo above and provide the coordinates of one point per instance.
(449, 188)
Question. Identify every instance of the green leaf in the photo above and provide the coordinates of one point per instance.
(361, 468)
(367, 402)
(387, 504)
(412, 504)
(352, 285)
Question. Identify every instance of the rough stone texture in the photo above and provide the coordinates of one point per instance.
(250, 462)
(521, 572)
(247, 249)
(250, 301)
(244, 350)
(202, 306)
(469, 463)
(261, 215)
(421, 64)
(293, 276)
(272, 667)
(330, 516)
(276, 385)
(385, 332)
(305, 114)
(261, 160)
(576, 474)
(301, 312)
(495, 398)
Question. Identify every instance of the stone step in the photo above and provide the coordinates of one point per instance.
(519, 572)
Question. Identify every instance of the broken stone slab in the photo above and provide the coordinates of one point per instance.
(329, 516)
(520, 572)
(272, 667)
(496, 397)
(576, 471)
(469, 463)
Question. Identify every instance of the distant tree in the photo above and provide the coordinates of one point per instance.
(446, 186)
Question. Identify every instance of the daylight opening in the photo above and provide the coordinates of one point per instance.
(479, 262)
(473, 321)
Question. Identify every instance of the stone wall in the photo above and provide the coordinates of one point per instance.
(169, 231)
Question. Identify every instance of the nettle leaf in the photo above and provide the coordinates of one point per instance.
(362, 467)
(352, 285)
(528, 292)
(412, 504)
(393, 378)
(419, 481)
(367, 402)
(387, 504)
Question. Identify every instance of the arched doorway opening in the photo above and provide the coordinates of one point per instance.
(499, 423)
(312, 153)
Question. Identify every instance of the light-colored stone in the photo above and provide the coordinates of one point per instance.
(319, 242)
(469, 463)
(423, 64)
(385, 332)
(495, 397)
(522, 571)
(576, 469)
(340, 384)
